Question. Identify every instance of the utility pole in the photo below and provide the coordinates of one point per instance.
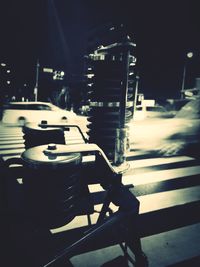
(36, 81)
(183, 82)
(189, 55)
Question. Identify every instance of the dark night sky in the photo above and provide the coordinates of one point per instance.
(57, 32)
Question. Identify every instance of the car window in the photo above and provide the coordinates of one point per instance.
(33, 107)
(155, 109)
(43, 107)
(15, 106)
(27, 106)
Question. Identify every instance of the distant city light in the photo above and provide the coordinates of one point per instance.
(90, 75)
(8, 71)
(189, 54)
(188, 93)
(58, 75)
(48, 70)
(3, 64)
(8, 82)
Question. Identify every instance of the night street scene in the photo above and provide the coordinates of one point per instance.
(100, 133)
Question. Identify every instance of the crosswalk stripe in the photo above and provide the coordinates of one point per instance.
(168, 199)
(163, 175)
(10, 146)
(15, 142)
(11, 152)
(157, 161)
(153, 177)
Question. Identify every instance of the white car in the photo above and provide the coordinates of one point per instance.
(22, 112)
(145, 112)
(170, 136)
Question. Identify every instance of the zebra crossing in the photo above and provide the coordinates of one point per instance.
(169, 193)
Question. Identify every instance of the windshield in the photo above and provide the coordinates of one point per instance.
(155, 109)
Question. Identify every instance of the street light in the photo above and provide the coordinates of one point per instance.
(189, 55)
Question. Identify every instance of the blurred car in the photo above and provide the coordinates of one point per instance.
(143, 112)
(170, 136)
(22, 112)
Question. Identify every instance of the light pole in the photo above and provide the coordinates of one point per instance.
(36, 80)
(136, 93)
(189, 55)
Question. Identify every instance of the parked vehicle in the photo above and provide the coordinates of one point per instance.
(22, 112)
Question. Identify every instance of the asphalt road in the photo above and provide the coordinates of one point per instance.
(169, 193)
